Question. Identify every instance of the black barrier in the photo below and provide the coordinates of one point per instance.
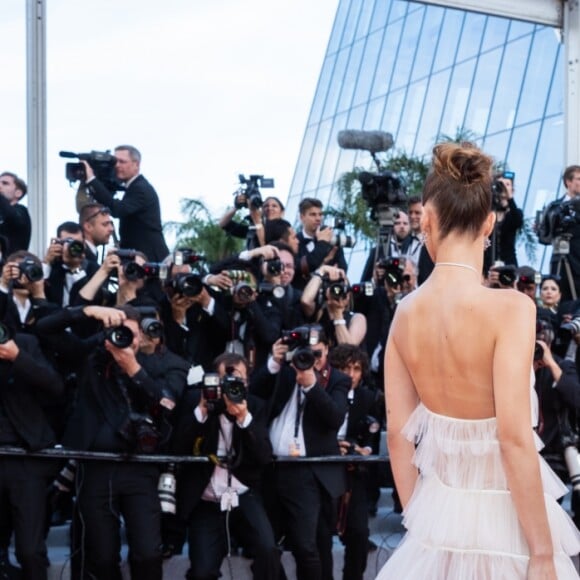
(60, 453)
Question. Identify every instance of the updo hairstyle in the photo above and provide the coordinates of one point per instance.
(459, 187)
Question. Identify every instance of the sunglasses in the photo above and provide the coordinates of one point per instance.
(99, 212)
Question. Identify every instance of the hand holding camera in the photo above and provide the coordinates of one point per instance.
(110, 317)
(9, 350)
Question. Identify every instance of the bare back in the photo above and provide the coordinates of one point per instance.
(447, 333)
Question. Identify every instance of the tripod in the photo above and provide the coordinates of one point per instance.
(561, 249)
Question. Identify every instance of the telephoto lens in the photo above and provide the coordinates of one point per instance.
(152, 327)
(166, 489)
(119, 336)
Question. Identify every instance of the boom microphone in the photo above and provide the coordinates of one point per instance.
(372, 141)
(68, 155)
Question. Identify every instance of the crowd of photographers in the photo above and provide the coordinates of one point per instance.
(120, 346)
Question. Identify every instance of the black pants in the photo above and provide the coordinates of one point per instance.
(356, 534)
(23, 483)
(105, 492)
(208, 540)
(309, 515)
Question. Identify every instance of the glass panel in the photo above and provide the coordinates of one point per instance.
(411, 115)
(503, 110)
(303, 159)
(350, 25)
(448, 39)
(374, 114)
(495, 33)
(318, 153)
(496, 145)
(368, 67)
(338, 27)
(351, 76)
(545, 183)
(457, 99)
(366, 11)
(380, 15)
(434, 101)
(518, 28)
(386, 59)
(520, 155)
(427, 42)
(322, 89)
(398, 10)
(483, 88)
(556, 100)
(393, 112)
(332, 151)
(471, 34)
(407, 50)
(538, 74)
(335, 84)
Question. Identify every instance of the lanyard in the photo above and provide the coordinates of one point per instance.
(300, 402)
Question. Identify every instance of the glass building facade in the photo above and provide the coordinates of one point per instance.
(421, 71)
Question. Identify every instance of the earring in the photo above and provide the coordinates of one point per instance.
(423, 236)
(486, 243)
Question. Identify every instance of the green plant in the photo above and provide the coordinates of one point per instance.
(200, 232)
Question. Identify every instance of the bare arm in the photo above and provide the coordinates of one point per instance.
(400, 400)
(511, 385)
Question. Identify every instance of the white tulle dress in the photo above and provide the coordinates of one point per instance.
(461, 521)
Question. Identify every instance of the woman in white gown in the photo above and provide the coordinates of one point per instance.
(479, 502)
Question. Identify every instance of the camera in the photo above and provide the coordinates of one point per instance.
(507, 275)
(213, 388)
(275, 290)
(76, 248)
(152, 327)
(249, 193)
(390, 270)
(337, 290)
(569, 329)
(498, 190)
(155, 270)
(569, 440)
(362, 289)
(538, 352)
(274, 267)
(186, 256)
(131, 269)
(299, 341)
(339, 238)
(141, 432)
(6, 333)
(364, 429)
(31, 270)
(119, 336)
(186, 284)
(554, 224)
(244, 292)
(102, 163)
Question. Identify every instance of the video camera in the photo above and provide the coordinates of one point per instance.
(213, 388)
(102, 163)
(555, 222)
(299, 342)
(249, 193)
(384, 193)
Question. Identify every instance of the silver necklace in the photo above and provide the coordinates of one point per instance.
(458, 264)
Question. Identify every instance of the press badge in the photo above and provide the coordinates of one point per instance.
(229, 500)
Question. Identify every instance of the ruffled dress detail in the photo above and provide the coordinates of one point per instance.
(461, 520)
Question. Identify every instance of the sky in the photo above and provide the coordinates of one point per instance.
(205, 89)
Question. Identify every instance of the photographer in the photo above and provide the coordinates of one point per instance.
(123, 401)
(138, 212)
(509, 220)
(558, 388)
(95, 220)
(357, 436)
(65, 267)
(327, 298)
(315, 248)
(15, 225)
(308, 401)
(559, 225)
(221, 420)
(500, 276)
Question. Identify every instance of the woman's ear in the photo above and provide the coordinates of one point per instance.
(489, 224)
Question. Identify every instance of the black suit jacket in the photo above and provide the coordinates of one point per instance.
(139, 217)
(251, 447)
(323, 415)
(15, 226)
(55, 283)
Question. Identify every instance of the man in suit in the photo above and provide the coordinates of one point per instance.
(232, 430)
(307, 407)
(15, 226)
(95, 220)
(65, 267)
(138, 212)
